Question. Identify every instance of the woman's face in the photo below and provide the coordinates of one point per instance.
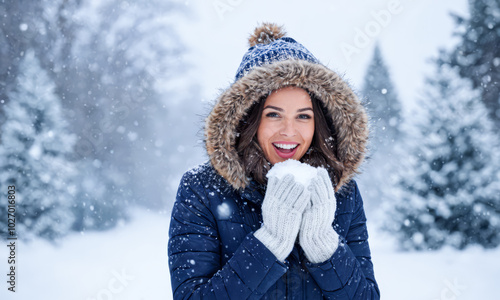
(286, 127)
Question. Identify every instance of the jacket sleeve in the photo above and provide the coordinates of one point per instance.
(348, 274)
(194, 254)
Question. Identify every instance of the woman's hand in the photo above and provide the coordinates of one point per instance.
(282, 210)
(317, 237)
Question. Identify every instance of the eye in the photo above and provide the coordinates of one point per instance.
(305, 116)
(272, 115)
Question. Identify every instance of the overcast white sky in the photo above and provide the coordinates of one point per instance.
(409, 32)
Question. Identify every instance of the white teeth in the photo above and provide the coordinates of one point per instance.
(286, 146)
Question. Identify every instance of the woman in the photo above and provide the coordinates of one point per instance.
(235, 234)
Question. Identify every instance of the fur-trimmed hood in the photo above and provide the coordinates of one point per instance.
(344, 111)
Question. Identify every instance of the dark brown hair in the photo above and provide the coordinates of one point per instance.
(322, 152)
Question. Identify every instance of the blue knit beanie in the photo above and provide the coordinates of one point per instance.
(266, 49)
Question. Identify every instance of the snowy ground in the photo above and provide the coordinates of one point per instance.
(130, 262)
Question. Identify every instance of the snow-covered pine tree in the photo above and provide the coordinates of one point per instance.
(449, 187)
(478, 53)
(384, 109)
(383, 104)
(33, 150)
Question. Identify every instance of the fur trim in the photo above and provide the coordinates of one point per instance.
(348, 115)
(266, 34)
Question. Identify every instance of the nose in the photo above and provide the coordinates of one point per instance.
(288, 129)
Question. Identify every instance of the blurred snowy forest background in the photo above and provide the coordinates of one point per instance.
(97, 111)
(102, 102)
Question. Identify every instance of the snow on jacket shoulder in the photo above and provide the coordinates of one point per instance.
(214, 255)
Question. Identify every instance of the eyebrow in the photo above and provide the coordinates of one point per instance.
(281, 109)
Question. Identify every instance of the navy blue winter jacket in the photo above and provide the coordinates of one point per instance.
(213, 253)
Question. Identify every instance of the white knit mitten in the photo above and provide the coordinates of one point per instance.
(317, 237)
(282, 209)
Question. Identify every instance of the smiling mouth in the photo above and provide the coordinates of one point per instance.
(286, 146)
(285, 150)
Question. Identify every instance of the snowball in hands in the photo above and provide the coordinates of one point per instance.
(299, 197)
(302, 173)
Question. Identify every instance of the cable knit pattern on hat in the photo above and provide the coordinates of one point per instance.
(282, 49)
